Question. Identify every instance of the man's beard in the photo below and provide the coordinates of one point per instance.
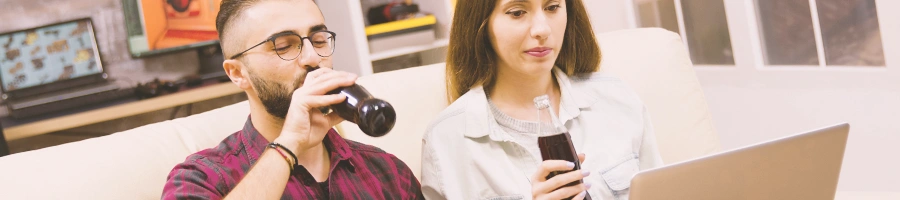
(274, 96)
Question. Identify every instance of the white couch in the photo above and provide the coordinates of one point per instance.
(133, 164)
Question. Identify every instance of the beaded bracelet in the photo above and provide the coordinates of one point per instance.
(279, 148)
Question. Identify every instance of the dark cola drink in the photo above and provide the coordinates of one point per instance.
(559, 147)
(557, 143)
(375, 117)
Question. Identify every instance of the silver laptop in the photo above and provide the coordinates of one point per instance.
(803, 166)
(52, 68)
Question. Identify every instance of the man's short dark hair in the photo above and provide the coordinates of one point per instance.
(228, 11)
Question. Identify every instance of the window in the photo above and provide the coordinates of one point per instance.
(704, 26)
(820, 32)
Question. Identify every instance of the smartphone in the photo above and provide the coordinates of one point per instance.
(559, 147)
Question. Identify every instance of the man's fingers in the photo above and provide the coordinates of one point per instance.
(328, 75)
(313, 75)
(322, 75)
(324, 100)
(334, 119)
(327, 84)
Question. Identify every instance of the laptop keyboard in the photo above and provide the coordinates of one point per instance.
(72, 98)
(45, 99)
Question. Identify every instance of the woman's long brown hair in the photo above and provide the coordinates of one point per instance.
(471, 59)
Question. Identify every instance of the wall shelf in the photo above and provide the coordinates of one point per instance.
(352, 53)
(409, 50)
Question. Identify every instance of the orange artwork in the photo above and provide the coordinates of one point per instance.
(173, 23)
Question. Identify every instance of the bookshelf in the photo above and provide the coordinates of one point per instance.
(352, 51)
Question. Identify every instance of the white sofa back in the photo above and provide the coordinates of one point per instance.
(133, 164)
(654, 62)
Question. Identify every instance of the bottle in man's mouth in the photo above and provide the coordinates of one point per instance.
(375, 117)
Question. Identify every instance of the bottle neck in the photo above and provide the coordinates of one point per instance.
(545, 109)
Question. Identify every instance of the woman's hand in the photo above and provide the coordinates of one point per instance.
(543, 188)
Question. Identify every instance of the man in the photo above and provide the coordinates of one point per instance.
(287, 149)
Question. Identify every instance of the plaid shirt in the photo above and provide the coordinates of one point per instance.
(358, 171)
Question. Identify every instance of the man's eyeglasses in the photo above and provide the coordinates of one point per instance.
(288, 44)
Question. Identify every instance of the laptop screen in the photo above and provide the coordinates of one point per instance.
(48, 54)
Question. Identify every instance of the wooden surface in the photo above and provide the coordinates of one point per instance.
(120, 111)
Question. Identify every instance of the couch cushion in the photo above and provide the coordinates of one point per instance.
(131, 164)
(655, 63)
(418, 95)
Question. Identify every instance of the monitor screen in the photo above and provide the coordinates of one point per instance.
(161, 26)
(48, 54)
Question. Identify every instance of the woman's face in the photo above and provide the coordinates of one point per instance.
(527, 34)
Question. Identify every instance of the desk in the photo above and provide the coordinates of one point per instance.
(121, 110)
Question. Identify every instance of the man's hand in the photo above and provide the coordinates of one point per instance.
(305, 126)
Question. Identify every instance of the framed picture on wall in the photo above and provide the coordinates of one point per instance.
(164, 26)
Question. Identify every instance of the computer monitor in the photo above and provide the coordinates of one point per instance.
(162, 26)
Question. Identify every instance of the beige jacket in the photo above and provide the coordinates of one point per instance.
(466, 155)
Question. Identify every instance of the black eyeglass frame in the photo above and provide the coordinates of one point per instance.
(272, 39)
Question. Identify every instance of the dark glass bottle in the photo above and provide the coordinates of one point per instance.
(375, 117)
(556, 145)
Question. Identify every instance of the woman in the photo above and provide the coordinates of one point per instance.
(503, 54)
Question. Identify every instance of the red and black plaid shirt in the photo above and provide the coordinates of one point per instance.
(359, 171)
